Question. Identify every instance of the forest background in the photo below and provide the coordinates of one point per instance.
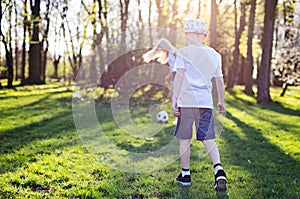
(53, 53)
(43, 39)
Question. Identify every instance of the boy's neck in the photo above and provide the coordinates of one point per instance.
(195, 39)
(197, 43)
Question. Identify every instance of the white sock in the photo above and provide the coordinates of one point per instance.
(185, 173)
(217, 168)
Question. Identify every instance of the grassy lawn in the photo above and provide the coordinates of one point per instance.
(42, 155)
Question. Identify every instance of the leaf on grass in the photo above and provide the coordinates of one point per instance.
(149, 139)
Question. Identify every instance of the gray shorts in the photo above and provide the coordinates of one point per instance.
(204, 122)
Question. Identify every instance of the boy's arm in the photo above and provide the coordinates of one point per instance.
(177, 84)
(170, 78)
(221, 93)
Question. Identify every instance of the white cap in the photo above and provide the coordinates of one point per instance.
(195, 26)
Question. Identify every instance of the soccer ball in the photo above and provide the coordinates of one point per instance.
(162, 117)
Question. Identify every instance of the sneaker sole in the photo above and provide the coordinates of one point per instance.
(221, 185)
(184, 183)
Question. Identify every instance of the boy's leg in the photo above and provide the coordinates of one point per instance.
(220, 175)
(184, 177)
(185, 152)
(184, 133)
(213, 151)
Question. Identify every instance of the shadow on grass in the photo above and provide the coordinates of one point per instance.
(37, 105)
(267, 163)
(12, 142)
(276, 107)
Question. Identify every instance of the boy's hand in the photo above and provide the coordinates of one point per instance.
(175, 110)
(221, 108)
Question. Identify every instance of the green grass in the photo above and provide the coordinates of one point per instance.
(42, 155)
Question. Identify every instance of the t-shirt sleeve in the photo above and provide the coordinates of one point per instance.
(179, 63)
(171, 61)
(219, 72)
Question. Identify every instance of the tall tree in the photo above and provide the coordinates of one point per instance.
(8, 48)
(174, 17)
(92, 13)
(163, 7)
(60, 14)
(45, 43)
(236, 53)
(35, 45)
(124, 4)
(75, 54)
(187, 8)
(25, 27)
(248, 72)
(150, 13)
(104, 33)
(16, 42)
(263, 83)
(124, 14)
(199, 10)
(213, 24)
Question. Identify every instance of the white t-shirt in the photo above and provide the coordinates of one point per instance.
(197, 86)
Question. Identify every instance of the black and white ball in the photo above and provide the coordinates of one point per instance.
(162, 117)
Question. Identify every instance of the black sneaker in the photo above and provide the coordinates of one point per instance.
(220, 181)
(185, 181)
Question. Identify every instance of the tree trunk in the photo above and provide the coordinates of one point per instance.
(16, 43)
(124, 14)
(55, 64)
(75, 58)
(10, 68)
(187, 8)
(25, 24)
(199, 10)
(163, 7)
(93, 70)
(140, 21)
(45, 43)
(150, 14)
(150, 22)
(249, 64)
(236, 53)
(213, 24)
(263, 84)
(102, 16)
(8, 52)
(174, 20)
(241, 71)
(124, 17)
(35, 46)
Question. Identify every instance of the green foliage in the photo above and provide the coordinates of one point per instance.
(286, 67)
(43, 157)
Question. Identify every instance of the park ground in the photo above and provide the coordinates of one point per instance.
(42, 155)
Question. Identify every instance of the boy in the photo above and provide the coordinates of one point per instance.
(196, 65)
